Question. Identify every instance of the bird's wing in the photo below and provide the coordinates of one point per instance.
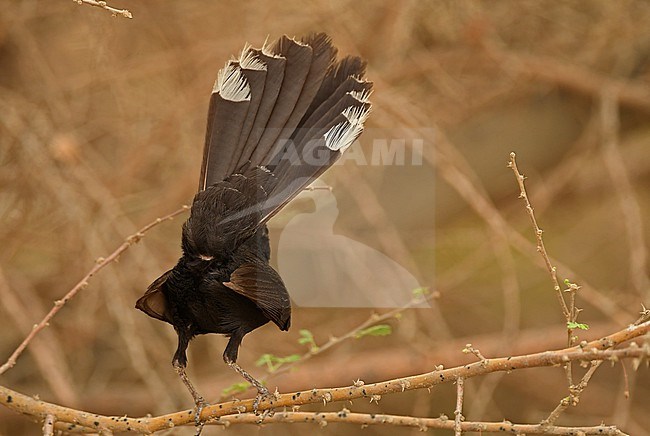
(153, 302)
(261, 284)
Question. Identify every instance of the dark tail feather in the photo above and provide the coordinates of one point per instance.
(349, 93)
(323, 57)
(255, 70)
(346, 68)
(299, 57)
(229, 106)
(275, 69)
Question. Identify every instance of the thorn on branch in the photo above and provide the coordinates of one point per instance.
(135, 238)
(645, 315)
(470, 349)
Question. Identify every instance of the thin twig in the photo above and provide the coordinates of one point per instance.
(574, 395)
(102, 4)
(48, 425)
(458, 413)
(100, 264)
(538, 234)
(570, 312)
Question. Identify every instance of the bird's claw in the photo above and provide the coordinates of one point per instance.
(262, 394)
(200, 405)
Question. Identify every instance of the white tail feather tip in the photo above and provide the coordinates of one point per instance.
(362, 96)
(231, 83)
(356, 114)
(248, 60)
(342, 135)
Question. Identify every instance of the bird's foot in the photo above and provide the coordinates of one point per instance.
(200, 404)
(262, 395)
(198, 408)
(262, 392)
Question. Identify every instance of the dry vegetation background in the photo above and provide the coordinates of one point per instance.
(101, 128)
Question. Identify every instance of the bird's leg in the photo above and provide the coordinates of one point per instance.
(262, 391)
(230, 356)
(249, 378)
(179, 363)
(199, 402)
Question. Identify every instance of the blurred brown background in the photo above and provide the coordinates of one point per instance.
(101, 128)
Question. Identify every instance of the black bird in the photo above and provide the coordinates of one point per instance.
(279, 117)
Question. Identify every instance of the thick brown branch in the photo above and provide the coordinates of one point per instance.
(345, 416)
(595, 350)
(363, 419)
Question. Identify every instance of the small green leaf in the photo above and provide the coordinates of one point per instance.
(375, 330)
(307, 338)
(567, 282)
(291, 358)
(421, 292)
(235, 388)
(576, 325)
(273, 362)
(265, 359)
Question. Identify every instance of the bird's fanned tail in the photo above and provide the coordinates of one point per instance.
(289, 108)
